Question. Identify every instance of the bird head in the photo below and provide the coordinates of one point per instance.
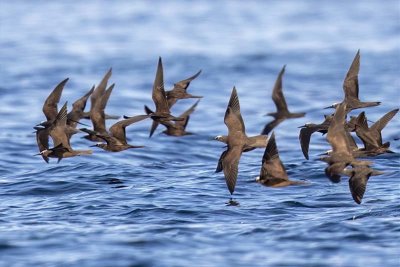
(334, 105)
(45, 152)
(221, 138)
(101, 145)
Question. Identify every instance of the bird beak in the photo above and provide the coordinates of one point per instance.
(328, 107)
(93, 145)
(37, 154)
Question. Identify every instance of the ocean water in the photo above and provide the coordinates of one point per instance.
(163, 205)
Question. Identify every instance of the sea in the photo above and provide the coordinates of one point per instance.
(163, 204)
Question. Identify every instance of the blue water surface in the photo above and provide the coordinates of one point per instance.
(163, 205)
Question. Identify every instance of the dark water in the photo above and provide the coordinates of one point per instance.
(163, 205)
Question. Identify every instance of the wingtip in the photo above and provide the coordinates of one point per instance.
(272, 136)
(282, 70)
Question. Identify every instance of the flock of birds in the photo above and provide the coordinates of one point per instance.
(343, 159)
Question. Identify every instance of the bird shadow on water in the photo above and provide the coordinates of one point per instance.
(232, 202)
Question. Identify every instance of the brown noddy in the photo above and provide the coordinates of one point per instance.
(282, 112)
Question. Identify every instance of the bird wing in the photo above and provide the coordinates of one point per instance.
(272, 166)
(147, 110)
(230, 166)
(100, 89)
(158, 95)
(364, 133)
(186, 115)
(336, 133)
(80, 104)
(50, 105)
(271, 125)
(97, 114)
(304, 138)
(277, 94)
(378, 126)
(350, 84)
(219, 165)
(153, 128)
(352, 143)
(117, 130)
(58, 129)
(233, 118)
(358, 183)
(42, 139)
(184, 84)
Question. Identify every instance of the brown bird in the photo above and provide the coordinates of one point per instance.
(50, 110)
(359, 176)
(78, 108)
(98, 117)
(176, 128)
(372, 137)
(351, 89)
(273, 172)
(282, 112)
(236, 142)
(341, 155)
(162, 113)
(179, 90)
(60, 132)
(97, 94)
(116, 138)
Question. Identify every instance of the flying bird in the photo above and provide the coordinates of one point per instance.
(176, 128)
(116, 137)
(162, 113)
(61, 133)
(272, 172)
(351, 88)
(282, 112)
(180, 90)
(236, 141)
(372, 137)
